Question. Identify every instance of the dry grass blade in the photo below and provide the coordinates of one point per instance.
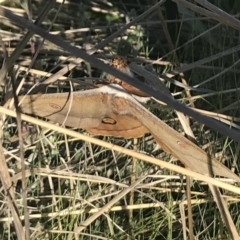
(214, 13)
(198, 9)
(154, 82)
(221, 15)
(176, 61)
(21, 150)
(200, 62)
(98, 46)
(18, 51)
(8, 188)
(106, 208)
(224, 212)
(184, 86)
(189, 206)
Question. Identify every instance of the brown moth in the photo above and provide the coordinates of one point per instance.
(110, 111)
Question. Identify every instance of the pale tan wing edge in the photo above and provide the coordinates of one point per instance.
(188, 153)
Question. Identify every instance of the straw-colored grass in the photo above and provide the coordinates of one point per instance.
(62, 183)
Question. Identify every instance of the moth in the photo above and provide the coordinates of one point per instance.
(111, 111)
